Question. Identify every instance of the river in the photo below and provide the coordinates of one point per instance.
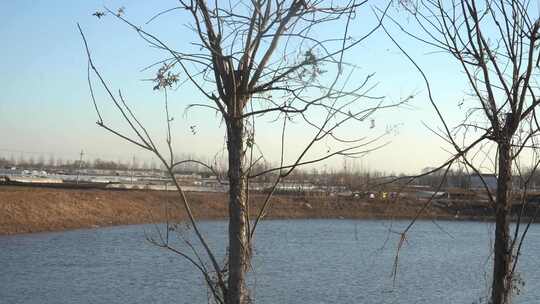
(296, 261)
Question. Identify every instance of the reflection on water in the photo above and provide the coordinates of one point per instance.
(297, 261)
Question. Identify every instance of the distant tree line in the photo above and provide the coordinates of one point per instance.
(355, 179)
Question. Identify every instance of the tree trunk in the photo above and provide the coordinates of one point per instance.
(239, 253)
(502, 281)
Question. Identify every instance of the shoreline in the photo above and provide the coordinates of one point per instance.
(32, 209)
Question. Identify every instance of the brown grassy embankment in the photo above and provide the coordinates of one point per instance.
(28, 209)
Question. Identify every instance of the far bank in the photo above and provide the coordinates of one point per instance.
(30, 209)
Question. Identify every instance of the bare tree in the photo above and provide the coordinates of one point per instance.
(51, 162)
(256, 59)
(495, 42)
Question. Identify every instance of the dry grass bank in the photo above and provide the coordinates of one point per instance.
(26, 209)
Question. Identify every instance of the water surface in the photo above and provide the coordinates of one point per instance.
(297, 261)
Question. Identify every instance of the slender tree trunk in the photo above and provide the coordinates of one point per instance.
(239, 252)
(502, 281)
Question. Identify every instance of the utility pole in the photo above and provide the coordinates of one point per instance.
(132, 168)
(80, 165)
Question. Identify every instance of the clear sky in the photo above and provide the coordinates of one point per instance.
(45, 105)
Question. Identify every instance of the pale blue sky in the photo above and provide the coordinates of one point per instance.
(45, 105)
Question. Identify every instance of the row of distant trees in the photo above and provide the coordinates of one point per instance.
(60, 163)
(52, 162)
(352, 178)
